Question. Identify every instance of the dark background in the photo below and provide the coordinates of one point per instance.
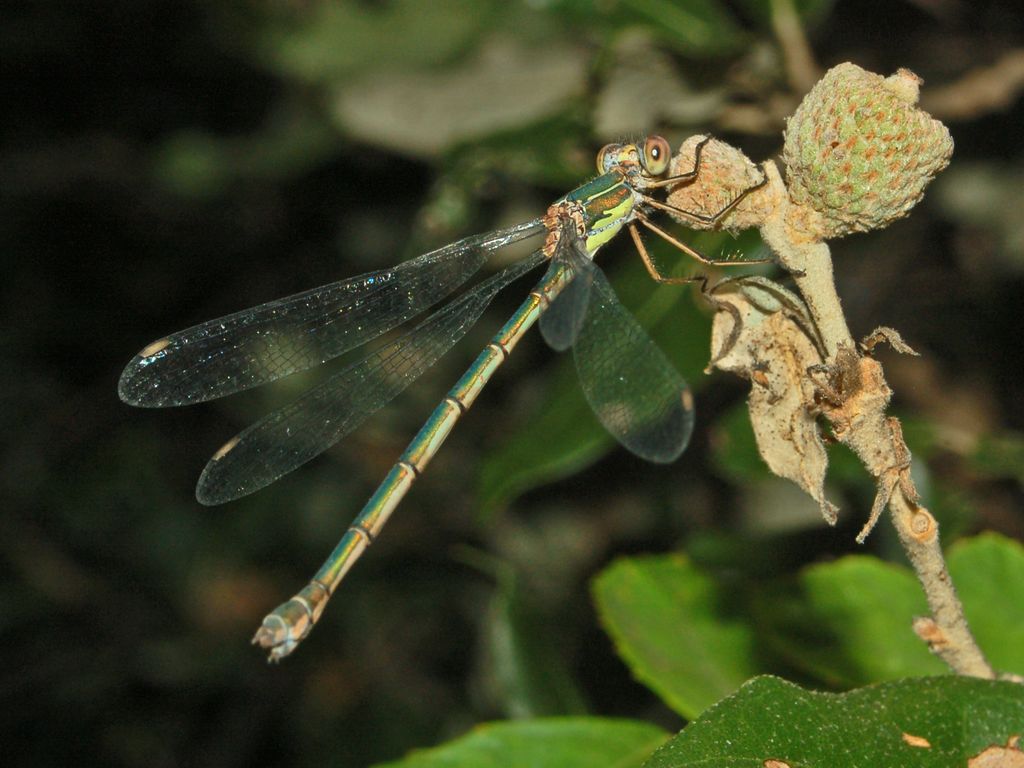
(165, 163)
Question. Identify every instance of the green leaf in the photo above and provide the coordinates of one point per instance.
(940, 722)
(556, 742)
(988, 571)
(530, 677)
(669, 623)
(851, 624)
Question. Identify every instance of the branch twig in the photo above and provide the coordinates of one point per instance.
(861, 422)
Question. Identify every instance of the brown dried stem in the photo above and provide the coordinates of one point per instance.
(858, 416)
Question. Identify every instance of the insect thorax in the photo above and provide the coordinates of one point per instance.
(597, 209)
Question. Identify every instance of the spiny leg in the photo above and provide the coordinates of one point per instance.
(652, 268)
(690, 251)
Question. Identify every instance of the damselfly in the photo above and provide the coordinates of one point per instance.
(633, 389)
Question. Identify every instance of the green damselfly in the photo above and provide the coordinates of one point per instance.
(633, 389)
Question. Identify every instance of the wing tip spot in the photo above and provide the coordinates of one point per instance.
(224, 449)
(687, 398)
(155, 348)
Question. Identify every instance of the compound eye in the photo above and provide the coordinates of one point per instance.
(602, 157)
(656, 155)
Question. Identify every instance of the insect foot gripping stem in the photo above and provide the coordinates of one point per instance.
(288, 624)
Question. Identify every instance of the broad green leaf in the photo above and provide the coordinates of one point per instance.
(988, 571)
(530, 678)
(670, 623)
(581, 742)
(923, 723)
(851, 624)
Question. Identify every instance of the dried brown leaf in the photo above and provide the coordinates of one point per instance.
(762, 332)
(1009, 756)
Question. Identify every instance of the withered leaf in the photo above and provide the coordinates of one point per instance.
(764, 333)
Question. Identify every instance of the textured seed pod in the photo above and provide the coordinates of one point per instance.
(725, 176)
(858, 151)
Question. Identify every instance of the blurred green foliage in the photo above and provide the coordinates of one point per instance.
(668, 622)
(165, 163)
(557, 742)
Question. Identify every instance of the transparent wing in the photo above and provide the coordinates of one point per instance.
(284, 440)
(560, 325)
(258, 345)
(634, 390)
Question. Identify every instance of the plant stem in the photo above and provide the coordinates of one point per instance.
(877, 440)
